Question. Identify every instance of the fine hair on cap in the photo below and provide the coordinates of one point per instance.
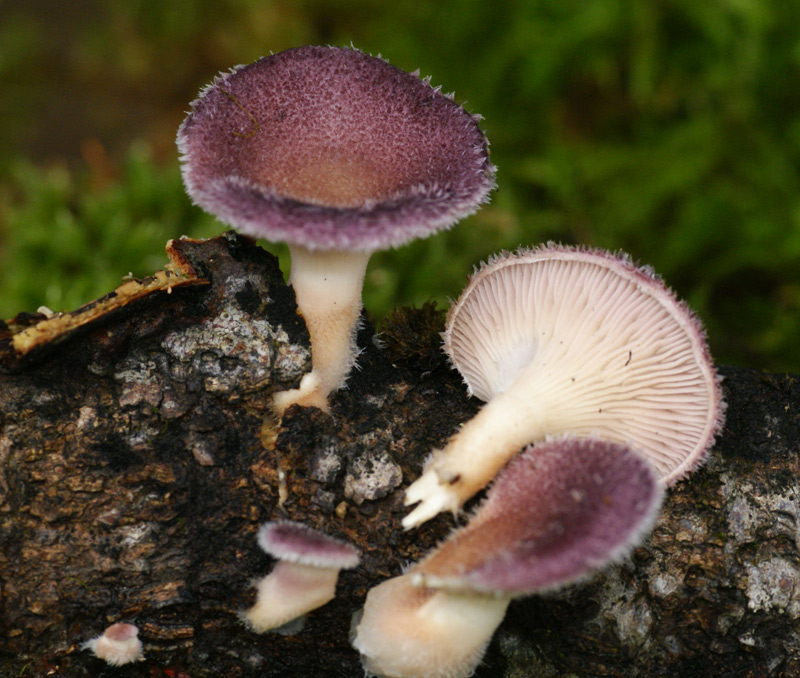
(330, 148)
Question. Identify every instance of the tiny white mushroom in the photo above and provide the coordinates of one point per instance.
(560, 339)
(118, 645)
(303, 579)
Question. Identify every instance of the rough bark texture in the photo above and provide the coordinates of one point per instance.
(138, 457)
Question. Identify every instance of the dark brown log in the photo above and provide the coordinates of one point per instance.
(138, 457)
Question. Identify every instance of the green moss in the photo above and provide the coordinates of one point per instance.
(66, 242)
(669, 130)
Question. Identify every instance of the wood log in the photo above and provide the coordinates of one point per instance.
(138, 457)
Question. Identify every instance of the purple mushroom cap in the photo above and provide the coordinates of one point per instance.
(298, 543)
(330, 148)
(558, 511)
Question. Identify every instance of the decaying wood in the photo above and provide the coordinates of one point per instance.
(138, 457)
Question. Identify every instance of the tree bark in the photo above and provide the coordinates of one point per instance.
(138, 457)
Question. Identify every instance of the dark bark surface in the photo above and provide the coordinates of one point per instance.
(138, 458)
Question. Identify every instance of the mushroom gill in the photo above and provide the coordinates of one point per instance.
(566, 340)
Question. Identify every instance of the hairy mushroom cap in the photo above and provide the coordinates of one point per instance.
(298, 543)
(118, 645)
(329, 148)
(303, 579)
(338, 154)
(560, 509)
(558, 512)
(560, 339)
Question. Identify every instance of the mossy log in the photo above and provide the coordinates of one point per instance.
(138, 457)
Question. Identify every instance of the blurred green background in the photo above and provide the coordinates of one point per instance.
(669, 129)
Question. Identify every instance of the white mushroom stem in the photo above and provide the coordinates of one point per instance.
(588, 398)
(407, 631)
(327, 285)
(504, 426)
(562, 340)
(290, 591)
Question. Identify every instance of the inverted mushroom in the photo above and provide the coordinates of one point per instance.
(337, 154)
(303, 579)
(557, 513)
(560, 339)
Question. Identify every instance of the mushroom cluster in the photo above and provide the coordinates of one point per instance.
(598, 383)
(566, 342)
(338, 154)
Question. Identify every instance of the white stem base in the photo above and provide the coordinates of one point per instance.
(473, 456)
(290, 591)
(327, 286)
(411, 632)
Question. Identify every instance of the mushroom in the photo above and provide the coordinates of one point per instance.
(337, 154)
(303, 579)
(559, 511)
(561, 339)
(118, 645)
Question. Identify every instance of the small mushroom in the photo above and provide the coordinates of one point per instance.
(304, 577)
(559, 339)
(337, 154)
(558, 512)
(118, 645)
